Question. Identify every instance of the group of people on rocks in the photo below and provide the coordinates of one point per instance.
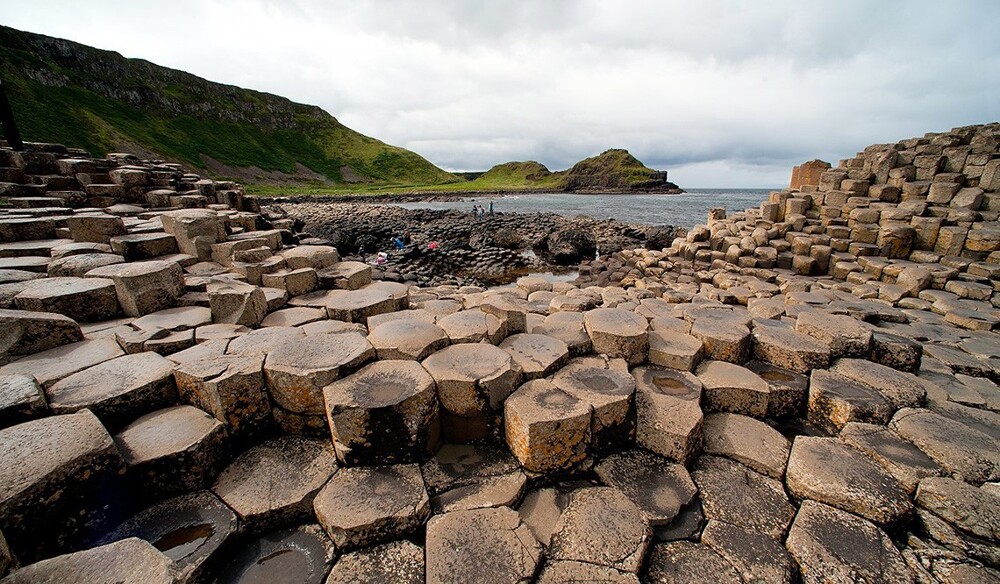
(479, 211)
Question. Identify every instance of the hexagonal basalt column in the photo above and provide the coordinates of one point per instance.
(610, 394)
(482, 545)
(536, 355)
(363, 506)
(58, 477)
(473, 380)
(273, 484)
(546, 428)
(82, 299)
(668, 415)
(618, 333)
(174, 450)
(298, 370)
(407, 339)
(231, 388)
(385, 413)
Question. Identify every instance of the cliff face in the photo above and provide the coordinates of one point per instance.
(66, 92)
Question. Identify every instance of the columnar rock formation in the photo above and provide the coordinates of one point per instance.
(193, 391)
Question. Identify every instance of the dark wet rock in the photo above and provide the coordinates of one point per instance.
(59, 478)
(301, 555)
(569, 246)
(190, 530)
(129, 561)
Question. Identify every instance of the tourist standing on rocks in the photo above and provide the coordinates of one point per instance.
(491, 208)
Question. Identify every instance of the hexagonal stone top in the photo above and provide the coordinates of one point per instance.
(129, 561)
(473, 377)
(481, 545)
(277, 480)
(147, 377)
(537, 355)
(32, 451)
(298, 370)
(363, 506)
(407, 339)
(174, 319)
(602, 526)
(165, 432)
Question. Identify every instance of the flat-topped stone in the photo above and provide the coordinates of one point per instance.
(789, 349)
(734, 493)
(189, 529)
(473, 326)
(294, 316)
(757, 557)
(536, 355)
(788, 390)
(175, 319)
(236, 302)
(675, 350)
(685, 562)
(844, 335)
(385, 413)
(273, 484)
(26, 332)
(473, 379)
(904, 461)
(602, 526)
(145, 287)
(618, 333)
(82, 299)
(546, 428)
(347, 275)
(733, 388)
(21, 399)
(835, 400)
(748, 441)
(723, 339)
(117, 390)
(352, 305)
(610, 395)
(831, 545)
(833, 473)
(363, 506)
(569, 328)
(173, 451)
(48, 367)
(57, 476)
(143, 246)
(298, 370)
(901, 389)
(264, 340)
(481, 545)
(961, 450)
(660, 488)
(78, 265)
(668, 412)
(399, 562)
(95, 227)
(472, 476)
(407, 339)
(230, 387)
(129, 561)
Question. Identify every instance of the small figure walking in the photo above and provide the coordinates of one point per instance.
(491, 208)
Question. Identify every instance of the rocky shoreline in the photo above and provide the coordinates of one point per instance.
(495, 249)
(195, 390)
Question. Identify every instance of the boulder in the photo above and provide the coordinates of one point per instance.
(82, 299)
(569, 246)
(618, 333)
(195, 231)
(610, 395)
(21, 399)
(27, 332)
(146, 287)
(407, 339)
(230, 387)
(732, 388)
(237, 303)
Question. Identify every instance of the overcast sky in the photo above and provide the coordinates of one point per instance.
(721, 94)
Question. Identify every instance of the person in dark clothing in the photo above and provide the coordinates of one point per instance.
(491, 208)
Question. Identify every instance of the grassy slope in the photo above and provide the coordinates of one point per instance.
(71, 114)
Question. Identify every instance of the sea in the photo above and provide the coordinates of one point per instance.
(683, 210)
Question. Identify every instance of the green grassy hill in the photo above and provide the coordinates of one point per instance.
(83, 97)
